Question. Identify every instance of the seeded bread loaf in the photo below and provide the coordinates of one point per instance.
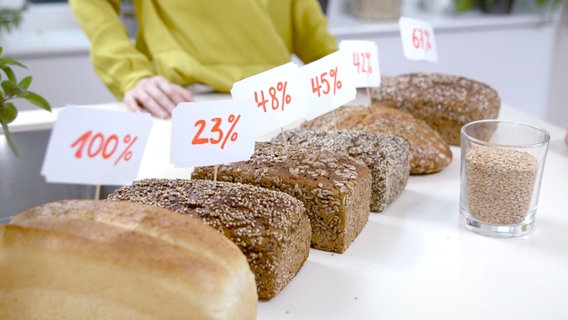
(386, 155)
(271, 228)
(88, 259)
(334, 188)
(446, 102)
(429, 152)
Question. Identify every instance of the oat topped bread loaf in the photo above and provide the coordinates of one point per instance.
(89, 259)
(446, 102)
(429, 152)
(386, 155)
(271, 228)
(334, 188)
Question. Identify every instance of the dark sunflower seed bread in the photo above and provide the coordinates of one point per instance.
(446, 102)
(269, 227)
(386, 155)
(334, 188)
(429, 152)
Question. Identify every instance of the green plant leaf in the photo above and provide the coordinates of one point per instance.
(8, 61)
(463, 5)
(25, 83)
(36, 99)
(8, 71)
(10, 88)
(9, 139)
(8, 112)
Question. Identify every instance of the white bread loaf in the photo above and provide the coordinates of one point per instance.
(88, 259)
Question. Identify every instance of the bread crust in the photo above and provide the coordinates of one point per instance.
(269, 227)
(334, 188)
(387, 157)
(429, 152)
(119, 260)
(445, 102)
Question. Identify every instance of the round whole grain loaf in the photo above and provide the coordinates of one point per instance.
(446, 102)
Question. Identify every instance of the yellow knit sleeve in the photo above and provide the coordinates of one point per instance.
(115, 59)
(311, 37)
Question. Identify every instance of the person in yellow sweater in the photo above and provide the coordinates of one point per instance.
(184, 42)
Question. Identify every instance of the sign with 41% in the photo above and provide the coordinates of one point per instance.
(96, 146)
(212, 132)
(364, 61)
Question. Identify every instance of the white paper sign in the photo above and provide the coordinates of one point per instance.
(96, 146)
(277, 96)
(212, 132)
(364, 56)
(418, 40)
(329, 82)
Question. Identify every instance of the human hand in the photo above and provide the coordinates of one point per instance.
(157, 95)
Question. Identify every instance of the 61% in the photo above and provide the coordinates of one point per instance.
(421, 39)
(98, 144)
(222, 137)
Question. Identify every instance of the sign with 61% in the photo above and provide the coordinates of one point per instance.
(96, 146)
(418, 42)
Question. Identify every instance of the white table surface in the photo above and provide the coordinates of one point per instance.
(414, 260)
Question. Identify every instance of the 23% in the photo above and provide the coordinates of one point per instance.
(220, 136)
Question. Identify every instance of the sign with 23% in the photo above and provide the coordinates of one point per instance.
(212, 132)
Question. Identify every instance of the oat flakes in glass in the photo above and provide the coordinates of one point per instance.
(501, 172)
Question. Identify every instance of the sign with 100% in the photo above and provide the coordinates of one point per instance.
(96, 146)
